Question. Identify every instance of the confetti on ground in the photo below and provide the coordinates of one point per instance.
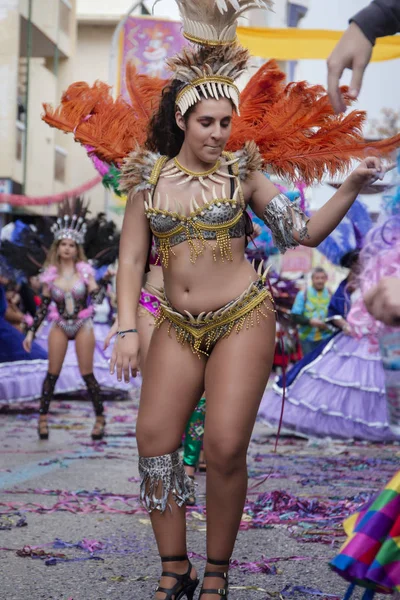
(299, 495)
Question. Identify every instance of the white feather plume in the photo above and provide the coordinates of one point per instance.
(215, 20)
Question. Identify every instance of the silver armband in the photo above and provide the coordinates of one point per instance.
(283, 217)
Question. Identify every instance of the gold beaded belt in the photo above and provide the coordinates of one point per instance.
(204, 331)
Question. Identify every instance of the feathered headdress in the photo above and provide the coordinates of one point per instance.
(101, 241)
(293, 125)
(208, 73)
(213, 22)
(211, 72)
(71, 223)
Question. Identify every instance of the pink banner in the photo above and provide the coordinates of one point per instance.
(19, 200)
(147, 42)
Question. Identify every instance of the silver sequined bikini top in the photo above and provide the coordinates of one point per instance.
(220, 220)
(78, 292)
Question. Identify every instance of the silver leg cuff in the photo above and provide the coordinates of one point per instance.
(161, 476)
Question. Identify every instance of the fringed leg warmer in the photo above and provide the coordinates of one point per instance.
(161, 476)
(49, 384)
(93, 389)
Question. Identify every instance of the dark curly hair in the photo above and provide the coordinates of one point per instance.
(164, 135)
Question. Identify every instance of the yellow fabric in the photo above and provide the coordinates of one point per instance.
(296, 44)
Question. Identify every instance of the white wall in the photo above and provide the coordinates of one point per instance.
(381, 82)
(167, 9)
(115, 8)
(9, 49)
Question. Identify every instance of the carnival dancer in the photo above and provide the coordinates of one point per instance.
(199, 276)
(201, 245)
(22, 374)
(68, 282)
(189, 193)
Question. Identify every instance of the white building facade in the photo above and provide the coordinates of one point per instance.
(37, 39)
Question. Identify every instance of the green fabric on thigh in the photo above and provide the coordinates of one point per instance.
(194, 435)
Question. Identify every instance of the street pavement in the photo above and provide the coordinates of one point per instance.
(71, 527)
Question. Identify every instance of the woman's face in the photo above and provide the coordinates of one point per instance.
(67, 250)
(208, 128)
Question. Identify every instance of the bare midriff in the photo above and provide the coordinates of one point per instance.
(208, 284)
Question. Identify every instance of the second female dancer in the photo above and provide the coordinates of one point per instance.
(68, 283)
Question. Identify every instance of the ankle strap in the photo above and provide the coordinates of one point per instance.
(174, 558)
(219, 563)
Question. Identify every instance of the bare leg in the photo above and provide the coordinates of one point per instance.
(172, 385)
(236, 376)
(84, 346)
(58, 344)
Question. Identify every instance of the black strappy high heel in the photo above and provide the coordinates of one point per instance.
(43, 428)
(185, 586)
(221, 592)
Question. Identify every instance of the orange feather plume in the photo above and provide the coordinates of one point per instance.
(293, 125)
(111, 128)
(296, 130)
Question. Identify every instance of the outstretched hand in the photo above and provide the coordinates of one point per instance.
(353, 51)
(368, 171)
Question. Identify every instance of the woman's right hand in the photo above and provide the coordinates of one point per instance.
(125, 357)
(27, 343)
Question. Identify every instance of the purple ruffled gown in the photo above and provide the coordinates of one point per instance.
(337, 390)
(340, 394)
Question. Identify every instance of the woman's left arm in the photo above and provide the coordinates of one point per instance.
(92, 285)
(290, 226)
